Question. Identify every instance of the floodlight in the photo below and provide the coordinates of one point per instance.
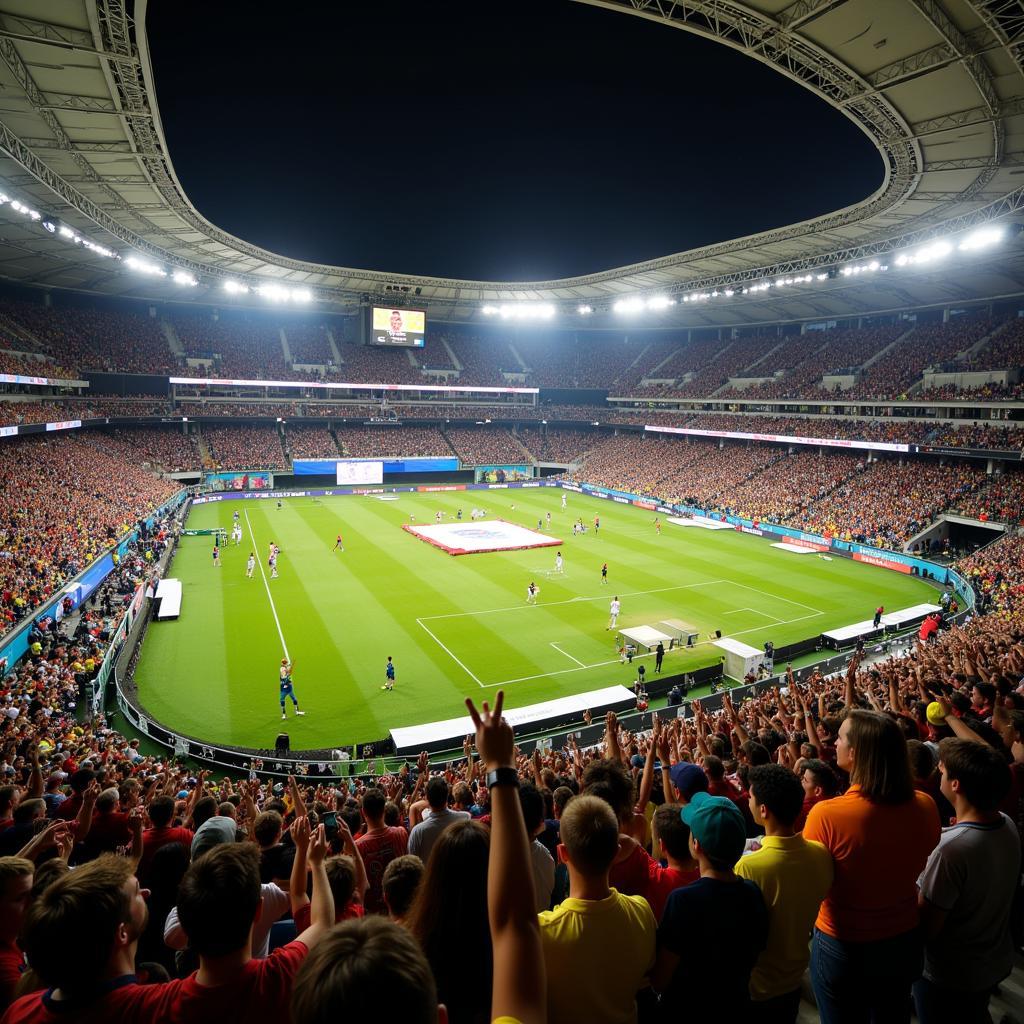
(628, 305)
(144, 267)
(659, 302)
(982, 238)
(585, 310)
(302, 295)
(235, 288)
(180, 277)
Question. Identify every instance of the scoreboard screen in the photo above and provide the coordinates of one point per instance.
(360, 471)
(406, 328)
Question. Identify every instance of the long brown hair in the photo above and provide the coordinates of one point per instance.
(881, 763)
(449, 918)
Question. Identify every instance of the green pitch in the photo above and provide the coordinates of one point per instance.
(459, 626)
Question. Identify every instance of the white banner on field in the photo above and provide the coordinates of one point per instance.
(360, 471)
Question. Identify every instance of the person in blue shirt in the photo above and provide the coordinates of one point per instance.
(389, 675)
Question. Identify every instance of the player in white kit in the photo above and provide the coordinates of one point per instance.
(250, 565)
(558, 563)
(563, 499)
(614, 609)
(531, 593)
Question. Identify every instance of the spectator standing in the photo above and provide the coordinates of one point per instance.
(400, 884)
(379, 845)
(695, 986)
(867, 949)
(15, 892)
(793, 875)
(967, 889)
(597, 933)
(428, 831)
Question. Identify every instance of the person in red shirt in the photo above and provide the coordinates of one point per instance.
(378, 847)
(162, 833)
(672, 843)
(819, 783)
(110, 826)
(15, 892)
(218, 903)
(345, 875)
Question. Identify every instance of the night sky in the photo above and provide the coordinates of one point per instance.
(444, 139)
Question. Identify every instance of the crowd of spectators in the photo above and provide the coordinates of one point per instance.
(482, 358)
(549, 444)
(93, 339)
(308, 343)
(392, 442)
(63, 501)
(169, 449)
(375, 364)
(308, 442)
(979, 435)
(1004, 351)
(244, 447)
(485, 446)
(1001, 498)
(32, 365)
(989, 392)
(889, 501)
(997, 572)
(861, 831)
(247, 349)
(886, 429)
(926, 345)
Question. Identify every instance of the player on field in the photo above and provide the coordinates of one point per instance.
(287, 689)
(216, 556)
(237, 532)
(389, 675)
(272, 562)
(614, 609)
(236, 515)
(657, 526)
(549, 520)
(558, 563)
(250, 564)
(338, 544)
(563, 500)
(604, 574)
(597, 524)
(531, 593)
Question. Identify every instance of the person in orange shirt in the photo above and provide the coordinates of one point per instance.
(867, 949)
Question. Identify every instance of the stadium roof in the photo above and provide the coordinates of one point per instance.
(937, 86)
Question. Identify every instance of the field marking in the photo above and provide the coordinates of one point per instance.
(451, 655)
(273, 607)
(572, 600)
(754, 611)
(773, 597)
(636, 657)
(568, 655)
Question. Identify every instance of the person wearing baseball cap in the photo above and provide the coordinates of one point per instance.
(685, 779)
(714, 983)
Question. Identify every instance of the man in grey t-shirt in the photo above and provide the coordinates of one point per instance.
(438, 818)
(967, 888)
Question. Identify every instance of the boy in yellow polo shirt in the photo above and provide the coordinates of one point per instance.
(598, 944)
(793, 874)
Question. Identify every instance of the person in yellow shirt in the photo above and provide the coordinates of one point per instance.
(794, 875)
(599, 945)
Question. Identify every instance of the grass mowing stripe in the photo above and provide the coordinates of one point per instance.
(273, 608)
(452, 656)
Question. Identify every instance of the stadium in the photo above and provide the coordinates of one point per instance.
(730, 535)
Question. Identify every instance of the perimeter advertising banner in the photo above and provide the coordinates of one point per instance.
(237, 481)
(501, 474)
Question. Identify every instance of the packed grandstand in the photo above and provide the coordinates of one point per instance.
(839, 842)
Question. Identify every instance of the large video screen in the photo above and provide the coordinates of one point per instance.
(405, 327)
(361, 471)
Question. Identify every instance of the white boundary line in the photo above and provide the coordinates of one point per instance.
(450, 655)
(273, 608)
(572, 600)
(773, 597)
(753, 611)
(568, 655)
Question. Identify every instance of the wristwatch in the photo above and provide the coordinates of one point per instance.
(502, 777)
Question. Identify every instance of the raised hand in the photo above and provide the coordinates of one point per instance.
(494, 738)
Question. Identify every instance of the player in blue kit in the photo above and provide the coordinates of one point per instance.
(287, 690)
(389, 675)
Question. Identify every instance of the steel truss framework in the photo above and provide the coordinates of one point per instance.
(775, 41)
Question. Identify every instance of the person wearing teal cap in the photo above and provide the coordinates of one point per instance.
(713, 929)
